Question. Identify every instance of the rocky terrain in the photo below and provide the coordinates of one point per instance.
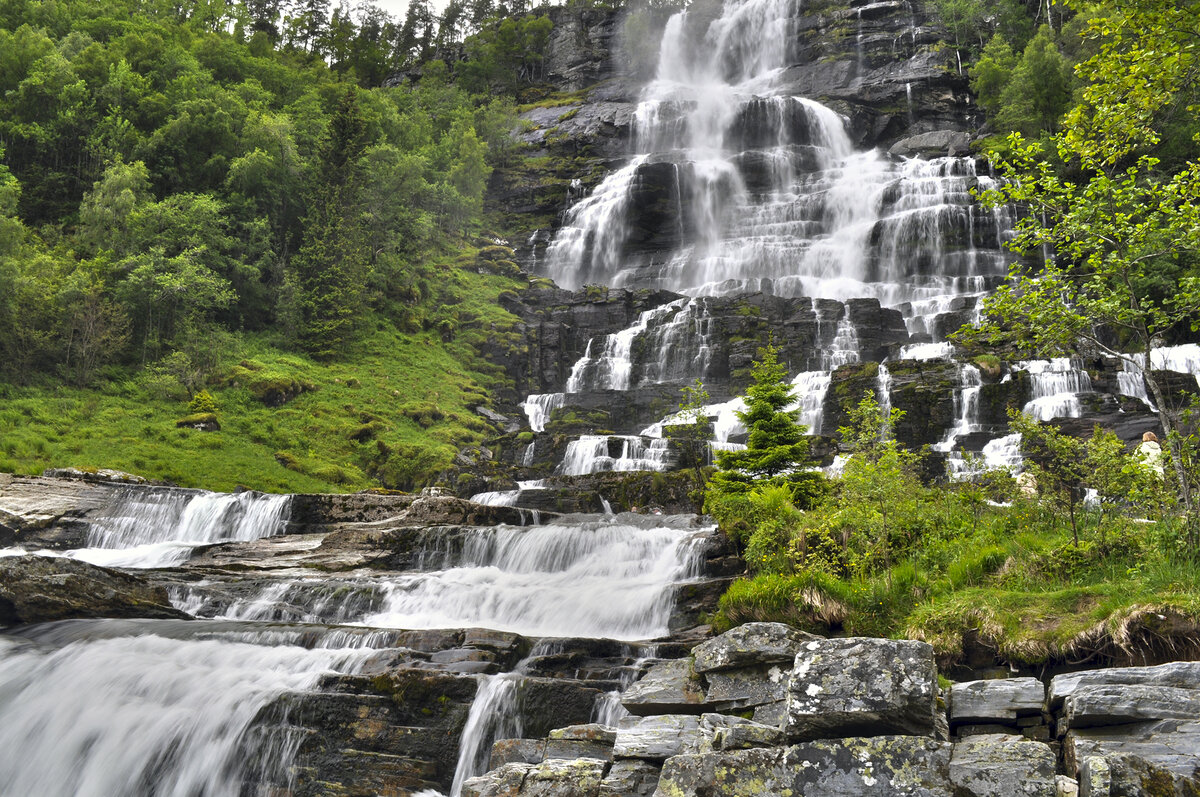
(765, 709)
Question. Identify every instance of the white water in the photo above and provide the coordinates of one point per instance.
(160, 527)
(147, 715)
(494, 715)
(1056, 385)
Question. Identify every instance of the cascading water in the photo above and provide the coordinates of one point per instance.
(752, 188)
(143, 714)
(155, 528)
(1056, 385)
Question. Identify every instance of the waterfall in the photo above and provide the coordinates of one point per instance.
(1056, 385)
(593, 454)
(144, 714)
(966, 406)
(609, 576)
(494, 715)
(538, 408)
(142, 527)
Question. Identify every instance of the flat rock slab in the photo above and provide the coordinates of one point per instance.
(40, 589)
(669, 687)
(747, 687)
(880, 766)
(862, 686)
(750, 645)
(659, 738)
(520, 751)
(1002, 700)
(1170, 744)
(1090, 706)
(1179, 674)
(1003, 766)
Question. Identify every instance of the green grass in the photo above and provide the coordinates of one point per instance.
(392, 412)
(1012, 578)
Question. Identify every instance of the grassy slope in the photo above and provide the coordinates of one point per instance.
(409, 389)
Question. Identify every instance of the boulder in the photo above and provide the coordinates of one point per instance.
(734, 690)
(1002, 766)
(659, 738)
(669, 687)
(858, 686)
(40, 589)
(736, 733)
(879, 766)
(996, 700)
(750, 645)
(552, 778)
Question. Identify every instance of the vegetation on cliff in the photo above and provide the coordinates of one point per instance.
(225, 197)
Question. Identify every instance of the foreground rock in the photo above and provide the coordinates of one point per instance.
(40, 589)
(876, 703)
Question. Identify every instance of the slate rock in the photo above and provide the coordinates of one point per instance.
(581, 741)
(521, 751)
(1002, 766)
(862, 686)
(1126, 775)
(748, 687)
(1171, 744)
(746, 734)
(999, 700)
(879, 766)
(660, 737)
(1180, 674)
(1090, 706)
(749, 645)
(40, 589)
(552, 778)
(669, 687)
(630, 778)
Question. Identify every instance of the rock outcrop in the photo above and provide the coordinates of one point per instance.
(886, 729)
(42, 589)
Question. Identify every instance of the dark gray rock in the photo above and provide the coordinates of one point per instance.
(750, 644)
(859, 685)
(934, 144)
(996, 700)
(521, 751)
(41, 589)
(1002, 766)
(579, 777)
(736, 733)
(581, 741)
(669, 687)
(748, 687)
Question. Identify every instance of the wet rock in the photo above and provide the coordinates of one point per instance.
(40, 589)
(658, 738)
(1002, 766)
(859, 685)
(934, 144)
(667, 687)
(996, 700)
(749, 645)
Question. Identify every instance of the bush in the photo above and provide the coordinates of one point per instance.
(202, 402)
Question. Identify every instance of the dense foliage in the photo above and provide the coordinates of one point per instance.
(187, 187)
